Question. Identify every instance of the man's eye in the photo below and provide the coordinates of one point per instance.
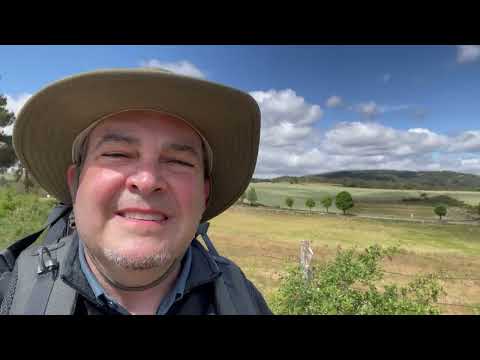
(115, 155)
(180, 162)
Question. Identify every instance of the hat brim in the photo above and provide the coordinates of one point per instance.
(228, 119)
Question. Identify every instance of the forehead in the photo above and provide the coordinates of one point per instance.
(143, 124)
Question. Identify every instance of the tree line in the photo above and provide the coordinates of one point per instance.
(343, 201)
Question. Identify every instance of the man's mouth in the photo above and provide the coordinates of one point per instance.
(143, 215)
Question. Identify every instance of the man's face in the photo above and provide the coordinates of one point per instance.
(142, 190)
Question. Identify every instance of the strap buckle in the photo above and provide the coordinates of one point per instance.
(48, 264)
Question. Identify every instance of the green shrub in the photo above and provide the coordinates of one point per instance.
(21, 214)
(346, 286)
(289, 202)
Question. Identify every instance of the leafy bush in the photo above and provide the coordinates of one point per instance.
(21, 214)
(346, 286)
(289, 202)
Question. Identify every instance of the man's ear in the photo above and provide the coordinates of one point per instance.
(206, 190)
(71, 179)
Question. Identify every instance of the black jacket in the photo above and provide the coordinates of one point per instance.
(200, 297)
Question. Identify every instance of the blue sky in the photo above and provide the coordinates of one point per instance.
(324, 108)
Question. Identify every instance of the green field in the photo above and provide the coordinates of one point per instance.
(378, 202)
(264, 243)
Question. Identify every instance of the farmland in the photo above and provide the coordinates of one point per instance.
(377, 202)
(264, 243)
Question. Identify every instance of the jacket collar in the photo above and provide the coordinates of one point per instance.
(203, 270)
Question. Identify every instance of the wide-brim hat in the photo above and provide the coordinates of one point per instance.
(226, 118)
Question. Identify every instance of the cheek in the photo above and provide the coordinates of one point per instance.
(98, 188)
(190, 194)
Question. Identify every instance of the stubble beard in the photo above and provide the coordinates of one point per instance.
(160, 259)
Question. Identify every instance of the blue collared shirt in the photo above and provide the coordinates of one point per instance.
(175, 294)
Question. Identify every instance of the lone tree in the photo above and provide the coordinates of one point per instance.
(310, 203)
(289, 202)
(327, 202)
(440, 210)
(344, 201)
(7, 154)
(252, 196)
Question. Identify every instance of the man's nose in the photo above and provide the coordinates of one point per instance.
(146, 179)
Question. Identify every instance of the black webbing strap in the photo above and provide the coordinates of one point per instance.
(47, 268)
(202, 231)
(47, 274)
(59, 224)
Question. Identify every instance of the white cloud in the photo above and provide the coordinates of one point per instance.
(390, 108)
(355, 145)
(286, 117)
(468, 141)
(468, 53)
(374, 139)
(182, 67)
(14, 104)
(292, 144)
(287, 132)
(369, 109)
(471, 162)
(334, 101)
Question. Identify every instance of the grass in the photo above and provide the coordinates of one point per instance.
(21, 214)
(263, 244)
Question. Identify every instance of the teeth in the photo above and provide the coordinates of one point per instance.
(140, 216)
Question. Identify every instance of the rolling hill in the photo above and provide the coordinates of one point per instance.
(391, 179)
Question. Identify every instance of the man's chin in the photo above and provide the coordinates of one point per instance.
(138, 259)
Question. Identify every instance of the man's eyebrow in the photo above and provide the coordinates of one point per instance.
(114, 137)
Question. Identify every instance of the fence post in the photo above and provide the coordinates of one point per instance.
(306, 254)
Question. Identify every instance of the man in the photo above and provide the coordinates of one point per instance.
(145, 157)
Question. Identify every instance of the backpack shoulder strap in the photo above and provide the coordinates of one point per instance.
(231, 288)
(232, 292)
(57, 227)
(39, 290)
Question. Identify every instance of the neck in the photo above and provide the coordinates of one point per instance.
(149, 287)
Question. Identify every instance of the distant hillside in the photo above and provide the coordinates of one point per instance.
(392, 179)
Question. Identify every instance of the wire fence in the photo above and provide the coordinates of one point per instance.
(438, 277)
(468, 306)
